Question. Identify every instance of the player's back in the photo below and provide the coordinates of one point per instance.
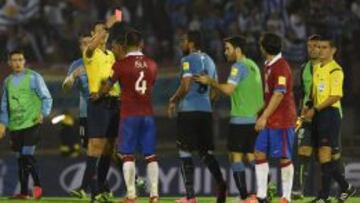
(197, 98)
(137, 75)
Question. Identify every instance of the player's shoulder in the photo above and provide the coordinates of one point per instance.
(282, 65)
(34, 74)
(76, 64)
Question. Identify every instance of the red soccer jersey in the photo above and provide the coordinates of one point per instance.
(278, 78)
(136, 74)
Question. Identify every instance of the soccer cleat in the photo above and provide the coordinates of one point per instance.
(186, 200)
(221, 193)
(103, 197)
(79, 193)
(20, 197)
(253, 199)
(154, 199)
(351, 191)
(129, 200)
(297, 195)
(283, 200)
(37, 192)
(320, 200)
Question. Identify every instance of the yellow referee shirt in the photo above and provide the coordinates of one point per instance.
(327, 81)
(99, 69)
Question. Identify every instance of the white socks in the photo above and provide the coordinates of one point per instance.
(153, 177)
(287, 176)
(129, 176)
(262, 172)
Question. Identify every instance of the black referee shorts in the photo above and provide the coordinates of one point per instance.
(195, 131)
(326, 128)
(103, 118)
(304, 135)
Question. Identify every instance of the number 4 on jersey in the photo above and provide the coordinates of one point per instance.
(140, 85)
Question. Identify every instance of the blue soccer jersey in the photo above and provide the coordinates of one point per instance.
(82, 85)
(197, 99)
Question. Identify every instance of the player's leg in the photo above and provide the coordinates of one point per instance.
(206, 148)
(148, 145)
(127, 142)
(282, 141)
(241, 143)
(80, 192)
(17, 140)
(31, 138)
(186, 140)
(261, 166)
(304, 152)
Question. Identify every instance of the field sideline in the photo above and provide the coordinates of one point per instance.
(145, 200)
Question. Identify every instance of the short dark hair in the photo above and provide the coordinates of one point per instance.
(271, 43)
(195, 37)
(15, 51)
(314, 37)
(237, 41)
(120, 40)
(330, 39)
(133, 38)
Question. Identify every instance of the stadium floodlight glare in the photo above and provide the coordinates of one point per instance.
(58, 119)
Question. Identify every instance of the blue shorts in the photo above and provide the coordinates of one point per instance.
(137, 134)
(276, 143)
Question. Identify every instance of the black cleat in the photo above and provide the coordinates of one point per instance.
(351, 191)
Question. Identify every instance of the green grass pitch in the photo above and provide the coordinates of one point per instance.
(145, 200)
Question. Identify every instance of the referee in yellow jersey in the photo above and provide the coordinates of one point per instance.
(103, 113)
(325, 112)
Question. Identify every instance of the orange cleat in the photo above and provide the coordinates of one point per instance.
(37, 192)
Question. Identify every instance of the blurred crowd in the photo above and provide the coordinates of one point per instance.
(48, 29)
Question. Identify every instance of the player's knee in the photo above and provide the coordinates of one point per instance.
(250, 157)
(151, 158)
(260, 156)
(127, 157)
(236, 157)
(285, 162)
(324, 154)
(305, 151)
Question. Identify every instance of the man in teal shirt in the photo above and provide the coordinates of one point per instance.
(305, 141)
(24, 104)
(244, 86)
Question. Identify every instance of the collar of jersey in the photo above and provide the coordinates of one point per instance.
(276, 58)
(135, 53)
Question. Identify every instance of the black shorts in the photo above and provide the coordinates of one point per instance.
(326, 128)
(83, 132)
(195, 131)
(25, 137)
(304, 136)
(242, 138)
(103, 118)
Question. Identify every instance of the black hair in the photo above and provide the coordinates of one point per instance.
(15, 51)
(196, 38)
(271, 43)
(133, 38)
(314, 37)
(237, 41)
(330, 39)
(120, 40)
